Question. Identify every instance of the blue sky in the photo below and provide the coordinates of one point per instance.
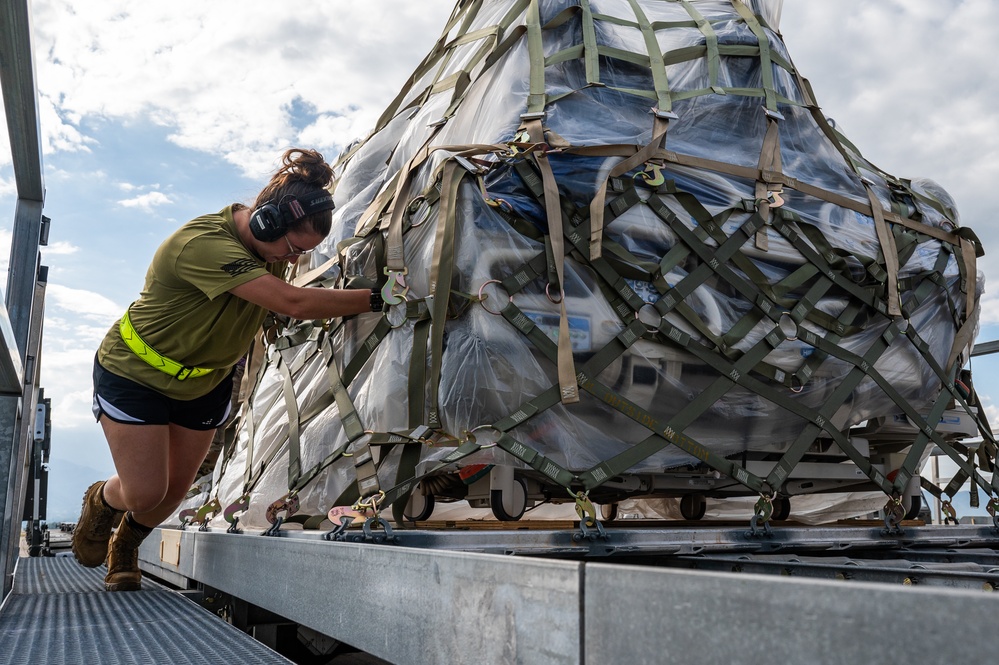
(153, 113)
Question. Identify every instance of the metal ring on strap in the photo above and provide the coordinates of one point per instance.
(482, 297)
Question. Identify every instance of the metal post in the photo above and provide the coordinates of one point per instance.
(20, 97)
(21, 423)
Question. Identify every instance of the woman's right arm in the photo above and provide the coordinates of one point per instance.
(303, 303)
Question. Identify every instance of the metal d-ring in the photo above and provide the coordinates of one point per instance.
(472, 437)
(789, 335)
(548, 293)
(482, 297)
(411, 209)
(403, 305)
(650, 327)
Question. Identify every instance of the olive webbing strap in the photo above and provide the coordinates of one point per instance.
(823, 419)
(416, 402)
(888, 250)
(672, 432)
(908, 468)
(644, 154)
(536, 56)
(417, 386)
(248, 480)
(441, 273)
(711, 225)
(431, 59)
(947, 378)
(370, 218)
(395, 259)
(861, 368)
(713, 260)
(782, 223)
(627, 264)
(553, 211)
(710, 43)
(659, 79)
(802, 187)
(803, 441)
(867, 365)
(624, 300)
(591, 56)
(967, 252)
(527, 273)
(766, 64)
(769, 166)
(598, 474)
(291, 405)
(364, 465)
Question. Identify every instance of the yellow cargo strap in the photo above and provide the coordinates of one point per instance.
(153, 357)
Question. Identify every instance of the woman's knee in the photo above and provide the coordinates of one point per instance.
(177, 491)
(144, 498)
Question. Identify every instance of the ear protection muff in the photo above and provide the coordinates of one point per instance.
(273, 219)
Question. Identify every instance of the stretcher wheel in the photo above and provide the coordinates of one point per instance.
(608, 511)
(420, 506)
(782, 508)
(509, 506)
(693, 506)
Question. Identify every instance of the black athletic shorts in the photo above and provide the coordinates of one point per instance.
(125, 401)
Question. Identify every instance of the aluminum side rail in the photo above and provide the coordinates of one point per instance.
(451, 606)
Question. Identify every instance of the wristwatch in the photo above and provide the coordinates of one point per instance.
(377, 304)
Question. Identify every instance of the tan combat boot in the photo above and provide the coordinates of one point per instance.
(90, 537)
(123, 558)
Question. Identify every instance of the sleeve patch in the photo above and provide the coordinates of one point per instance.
(240, 267)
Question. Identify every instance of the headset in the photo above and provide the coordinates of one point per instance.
(273, 219)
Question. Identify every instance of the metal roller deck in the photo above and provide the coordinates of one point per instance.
(59, 613)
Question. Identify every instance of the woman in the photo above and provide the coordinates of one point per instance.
(163, 374)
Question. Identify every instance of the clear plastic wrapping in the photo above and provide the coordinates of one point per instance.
(489, 368)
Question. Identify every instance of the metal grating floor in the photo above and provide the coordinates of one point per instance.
(58, 613)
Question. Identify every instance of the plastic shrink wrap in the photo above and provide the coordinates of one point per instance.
(715, 259)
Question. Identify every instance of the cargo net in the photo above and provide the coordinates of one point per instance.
(624, 255)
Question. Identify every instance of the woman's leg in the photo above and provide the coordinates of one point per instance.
(188, 448)
(156, 466)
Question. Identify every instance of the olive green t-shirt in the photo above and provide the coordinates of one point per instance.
(185, 311)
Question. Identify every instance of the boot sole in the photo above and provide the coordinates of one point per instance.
(123, 586)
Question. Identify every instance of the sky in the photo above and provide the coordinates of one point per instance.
(153, 113)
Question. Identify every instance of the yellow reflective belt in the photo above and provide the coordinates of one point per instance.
(152, 356)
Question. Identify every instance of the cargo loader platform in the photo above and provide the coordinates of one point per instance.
(535, 596)
(59, 613)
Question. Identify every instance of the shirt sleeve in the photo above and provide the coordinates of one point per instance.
(215, 263)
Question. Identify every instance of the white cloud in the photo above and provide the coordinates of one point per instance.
(87, 305)
(6, 236)
(908, 83)
(225, 76)
(60, 248)
(7, 186)
(990, 308)
(146, 202)
(991, 410)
